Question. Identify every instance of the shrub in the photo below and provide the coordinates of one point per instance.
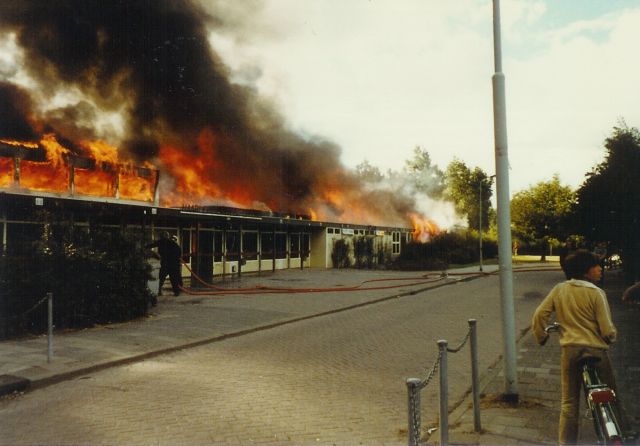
(340, 254)
(96, 275)
(444, 249)
(364, 252)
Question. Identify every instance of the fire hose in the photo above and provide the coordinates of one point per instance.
(263, 289)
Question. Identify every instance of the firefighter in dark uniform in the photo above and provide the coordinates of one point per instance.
(170, 262)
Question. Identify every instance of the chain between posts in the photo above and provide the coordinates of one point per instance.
(462, 344)
(434, 368)
(414, 387)
(32, 308)
(431, 373)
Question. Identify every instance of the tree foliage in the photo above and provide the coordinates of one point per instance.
(541, 212)
(608, 202)
(470, 192)
(425, 176)
(369, 173)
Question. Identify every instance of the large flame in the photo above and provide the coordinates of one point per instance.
(423, 228)
(6, 172)
(96, 170)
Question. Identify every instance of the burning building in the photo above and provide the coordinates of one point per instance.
(125, 105)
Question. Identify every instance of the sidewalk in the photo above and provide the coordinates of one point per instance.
(534, 420)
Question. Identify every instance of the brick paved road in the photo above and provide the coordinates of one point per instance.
(335, 379)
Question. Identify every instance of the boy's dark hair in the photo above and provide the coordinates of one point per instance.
(578, 263)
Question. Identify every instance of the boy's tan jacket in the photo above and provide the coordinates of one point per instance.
(582, 310)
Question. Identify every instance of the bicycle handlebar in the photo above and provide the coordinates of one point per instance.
(548, 329)
(553, 327)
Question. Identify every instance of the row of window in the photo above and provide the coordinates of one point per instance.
(348, 231)
(229, 244)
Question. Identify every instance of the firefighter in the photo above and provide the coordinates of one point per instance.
(170, 262)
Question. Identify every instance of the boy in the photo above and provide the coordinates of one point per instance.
(586, 329)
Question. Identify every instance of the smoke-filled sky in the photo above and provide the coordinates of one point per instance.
(270, 103)
(379, 77)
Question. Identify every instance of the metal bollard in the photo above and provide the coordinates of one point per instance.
(475, 382)
(413, 392)
(444, 395)
(50, 327)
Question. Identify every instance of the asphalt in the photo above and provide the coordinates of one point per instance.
(179, 323)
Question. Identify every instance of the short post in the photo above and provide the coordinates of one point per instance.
(50, 327)
(475, 384)
(413, 391)
(444, 395)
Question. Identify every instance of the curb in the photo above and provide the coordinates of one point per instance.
(10, 384)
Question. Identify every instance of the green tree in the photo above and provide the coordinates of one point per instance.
(368, 172)
(425, 176)
(608, 207)
(466, 188)
(540, 213)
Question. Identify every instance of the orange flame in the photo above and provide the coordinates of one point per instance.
(196, 176)
(423, 228)
(6, 172)
(30, 145)
(136, 187)
(102, 152)
(193, 175)
(101, 179)
(94, 182)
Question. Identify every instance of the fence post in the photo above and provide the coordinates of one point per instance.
(475, 385)
(444, 395)
(50, 327)
(413, 392)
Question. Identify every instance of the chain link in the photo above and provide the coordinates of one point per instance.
(415, 419)
(425, 382)
(462, 344)
(33, 308)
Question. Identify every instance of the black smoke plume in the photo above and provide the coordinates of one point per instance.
(154, 57)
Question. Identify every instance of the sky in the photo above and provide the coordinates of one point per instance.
(380, 77)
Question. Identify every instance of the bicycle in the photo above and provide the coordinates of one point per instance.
(600, 398)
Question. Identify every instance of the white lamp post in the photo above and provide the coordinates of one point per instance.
(504, 213)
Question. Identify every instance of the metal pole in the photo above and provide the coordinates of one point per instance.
(475, 382)
(413, 393)
(504, 214)
(444, 395)
(50, 327)
(480, 221)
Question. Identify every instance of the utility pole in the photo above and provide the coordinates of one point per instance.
(480, 221)
(504, 213)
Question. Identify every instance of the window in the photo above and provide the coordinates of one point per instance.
(395, 246)
(250, 245)
(185, 243)
(233, 246)
(329, 230)
(306, 243)
(266, 245)
(294, 245)
(281, 245)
